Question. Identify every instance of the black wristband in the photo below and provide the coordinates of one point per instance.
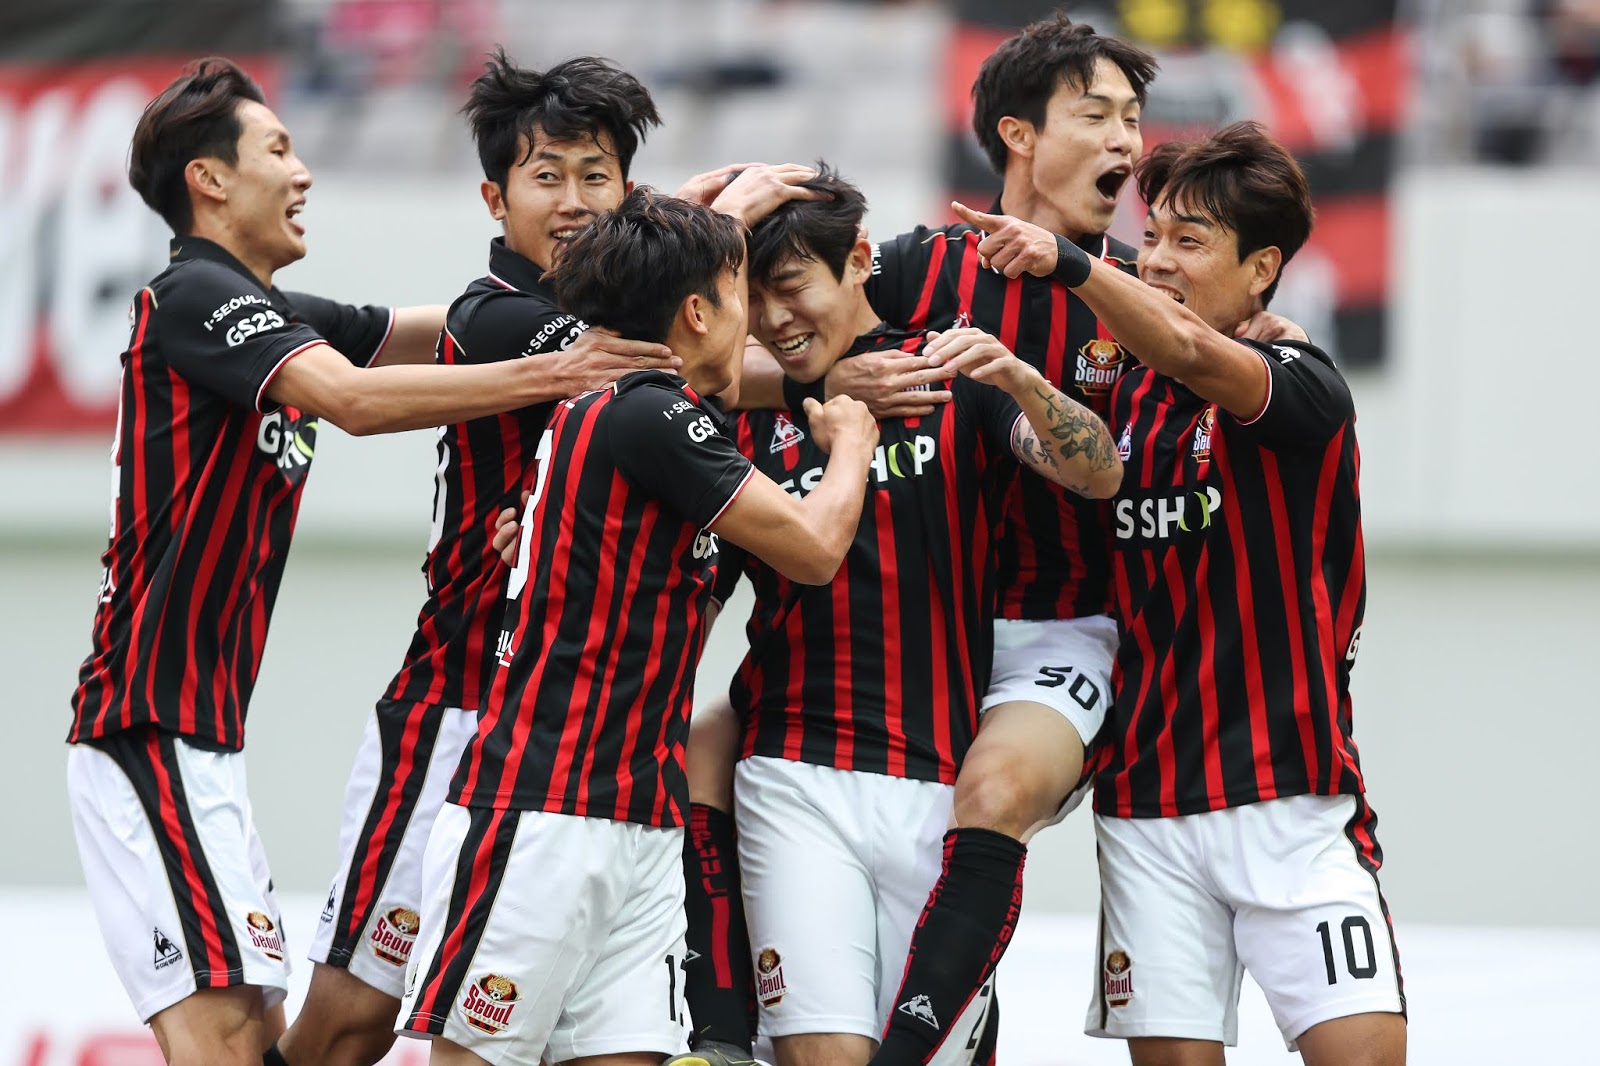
(1072, 263)
(795, 393)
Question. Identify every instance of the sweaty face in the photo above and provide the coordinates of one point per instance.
(266, 189)
(555, 191)
(1085, 150)
(1194, 259)
(806, 317)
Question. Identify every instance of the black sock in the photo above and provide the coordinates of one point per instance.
(273, 1057)
(717, 980)
(964, 929)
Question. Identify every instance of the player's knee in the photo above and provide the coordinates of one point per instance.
(1007, 803)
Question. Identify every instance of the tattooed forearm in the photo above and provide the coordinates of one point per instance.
(1078, 430)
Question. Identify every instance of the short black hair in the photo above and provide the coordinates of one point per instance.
(822, 230)
(1021, 76)
(194, 117)
(1243, 179)
(631, 268)
(582, 97)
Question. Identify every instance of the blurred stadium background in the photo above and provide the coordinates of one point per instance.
(1452, 144)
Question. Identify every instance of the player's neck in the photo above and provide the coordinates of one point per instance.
(220, 233)
(1020, 199)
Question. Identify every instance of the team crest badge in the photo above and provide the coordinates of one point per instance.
(488, 1004)
(785, 434)
(393, 933)
(264, 935)
(770, 988)
(1099, 366)
(1119, 979)
(1201, 452)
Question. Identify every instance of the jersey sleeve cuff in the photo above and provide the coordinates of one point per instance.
(265, 406)
(1266, 403)
(388, 332)
(750, 472)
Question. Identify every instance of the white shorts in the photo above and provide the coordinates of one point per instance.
(175, 868)
(402, 773)
(837, 866)
(549, 935)
(1284, 888)
(1062, 663)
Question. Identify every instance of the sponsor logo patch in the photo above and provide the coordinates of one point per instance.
(770, 988)
(1125, 442)
(264, 935)
(1099, 366)
(488, 1004)
(328, 907)
(785, 434)
(393, 933)
(920, 1008)
(166, 952)
(1119, 979)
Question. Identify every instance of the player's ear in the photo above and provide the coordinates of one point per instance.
(858, 267)
(1263, 265)
(692, 313)
(1018, 135)
(495, 197)
(205, 178)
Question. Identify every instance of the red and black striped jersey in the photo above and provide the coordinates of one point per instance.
(1054, 558)
(207, 473)
(1240, 584)
(588, 709)
(882, 670)
(507, 314)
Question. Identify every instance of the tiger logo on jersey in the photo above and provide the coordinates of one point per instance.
(489, 1002)
(1099, 366)
(1119, 979)
(393, 933)
(264, 935)
(770, 988)
(1200, 452)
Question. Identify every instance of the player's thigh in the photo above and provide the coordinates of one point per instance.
(225, 1026)
(174, 869)
(1312, 927)
(401, 775)
(1022, 767)
(1164, 962)
(515, 907)
(631, 999)
(824, 1049)
(1377, 1039)
(809, 897)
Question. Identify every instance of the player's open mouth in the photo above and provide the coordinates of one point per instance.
(294, 209)
(562, 236)
(795, 345)
(1110, 183)
(1176, 296)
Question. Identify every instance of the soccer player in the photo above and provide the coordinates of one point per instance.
(224, 382)
(1233, 828)
(553, 878)
(555, 147)
(1056, 110)
(860, 698)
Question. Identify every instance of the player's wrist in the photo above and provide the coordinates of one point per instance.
(1072, 263)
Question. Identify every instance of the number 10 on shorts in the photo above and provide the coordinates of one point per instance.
(1347, 930)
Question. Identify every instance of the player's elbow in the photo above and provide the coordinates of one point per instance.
(356, 414)
(817, 560)
(1103, 484)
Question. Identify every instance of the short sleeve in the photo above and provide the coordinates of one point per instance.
(677, 451)
(512, 325)
(989, 410)
(1307, 398)
(899, 273)
(358, 333)
(221, 331)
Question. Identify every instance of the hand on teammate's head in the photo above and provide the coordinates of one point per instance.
(755, 192)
